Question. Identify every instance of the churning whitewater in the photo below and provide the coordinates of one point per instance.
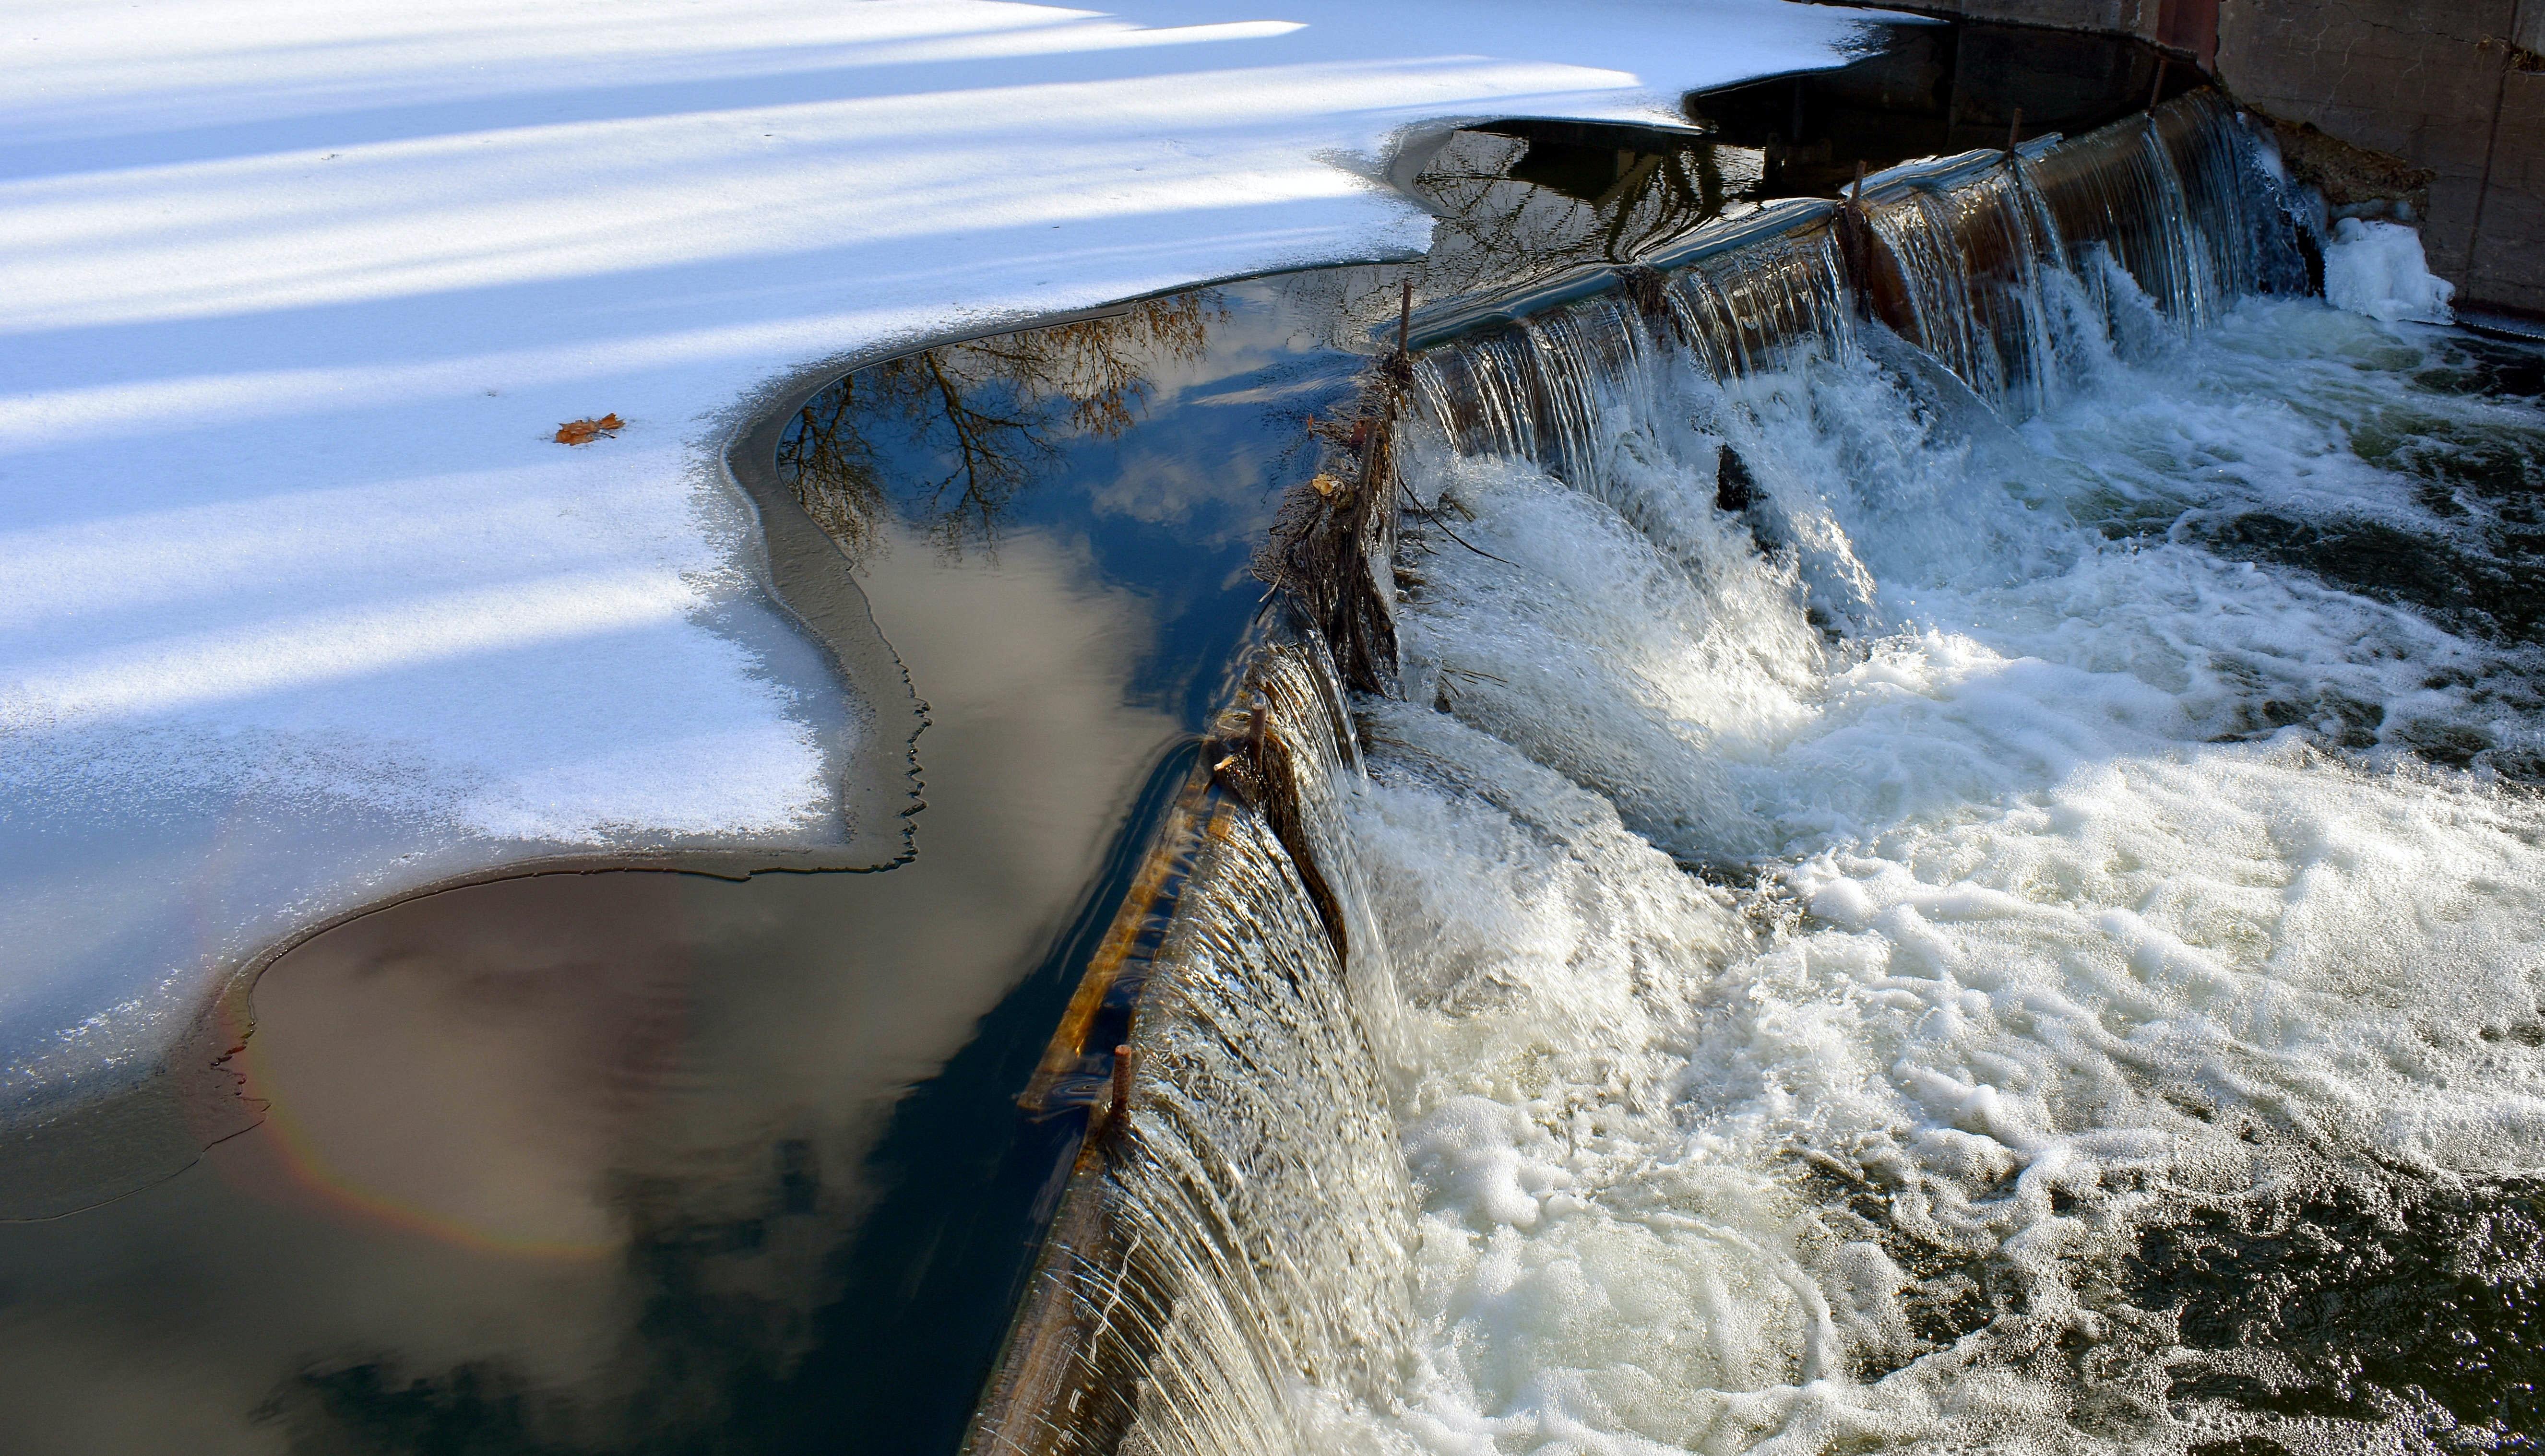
(1794, 1002)
(1862, 872)
(1963, 873)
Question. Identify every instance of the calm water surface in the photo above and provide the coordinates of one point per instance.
(645, 1162)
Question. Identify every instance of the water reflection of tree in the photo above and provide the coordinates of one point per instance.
(1539, 206)
(950, 437)
(1514, 211)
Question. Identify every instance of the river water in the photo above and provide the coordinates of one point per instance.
(1963, 870)
(1948, 855)
(2049, 951)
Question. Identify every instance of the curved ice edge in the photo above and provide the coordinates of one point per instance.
(115, 1132)
(74, 1146)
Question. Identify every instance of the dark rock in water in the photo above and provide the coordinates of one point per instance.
(1734, 486)
(2356, 181)
(2381, 1299)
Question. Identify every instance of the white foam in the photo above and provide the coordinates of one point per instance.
(2096, 872)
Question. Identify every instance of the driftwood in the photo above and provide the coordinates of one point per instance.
(1331, 542)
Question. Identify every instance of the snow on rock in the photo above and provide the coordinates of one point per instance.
(2378, 269)
(301, 604)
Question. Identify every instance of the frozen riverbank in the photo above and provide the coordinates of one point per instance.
(303, 608)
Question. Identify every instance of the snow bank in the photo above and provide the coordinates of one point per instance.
(299, 606)
(2378, 269)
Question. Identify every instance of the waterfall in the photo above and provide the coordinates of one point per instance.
(1236, 1253)
(1963, 257)
(1234, 1227)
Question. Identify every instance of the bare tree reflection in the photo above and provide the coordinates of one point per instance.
(1538, 204)
(833, 471)
(950, 437)
(1516, 209)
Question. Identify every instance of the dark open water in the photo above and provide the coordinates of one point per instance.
(641, 1161)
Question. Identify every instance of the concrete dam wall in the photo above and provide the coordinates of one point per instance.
(2453, 90)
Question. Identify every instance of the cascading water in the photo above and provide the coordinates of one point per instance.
(1911, 891)
(1235, 1226)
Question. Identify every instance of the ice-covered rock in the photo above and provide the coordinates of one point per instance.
(2378, 269)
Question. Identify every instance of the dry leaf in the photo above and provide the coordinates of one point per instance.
(585, 431)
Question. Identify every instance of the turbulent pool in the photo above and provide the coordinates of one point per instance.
(1861, 1028)
(1965, 872)
(1710, 819)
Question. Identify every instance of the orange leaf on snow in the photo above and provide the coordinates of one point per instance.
(585, 431)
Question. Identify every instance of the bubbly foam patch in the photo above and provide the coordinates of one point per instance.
(1875, 953)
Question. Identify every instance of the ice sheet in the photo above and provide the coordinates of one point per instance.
(301, 604)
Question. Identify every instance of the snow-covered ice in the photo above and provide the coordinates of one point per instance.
(300, 607)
